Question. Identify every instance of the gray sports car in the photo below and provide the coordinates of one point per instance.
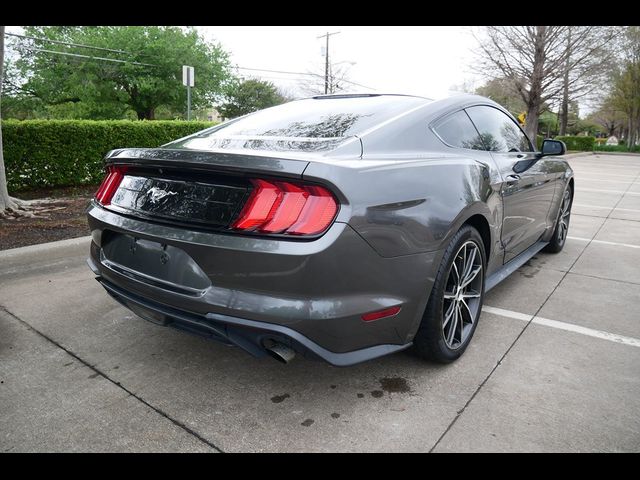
(340, 227)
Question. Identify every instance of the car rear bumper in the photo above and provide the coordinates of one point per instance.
(308, 295)
(250, 335)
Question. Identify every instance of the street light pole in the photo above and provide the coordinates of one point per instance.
(326, 60)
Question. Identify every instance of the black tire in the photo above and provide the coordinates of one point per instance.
(429, 342)
(559, 237)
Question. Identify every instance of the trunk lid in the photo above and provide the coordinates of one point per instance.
(191, 188)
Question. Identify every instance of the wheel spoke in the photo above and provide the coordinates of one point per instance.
(471, 276)
(455, 269)
(449, 295)
(452, 328)
(470, 295)
(449, 314)
(464, 303)
(469, 266)
(461, 323)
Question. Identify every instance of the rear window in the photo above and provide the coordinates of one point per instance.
(457, 130)
(307, 125)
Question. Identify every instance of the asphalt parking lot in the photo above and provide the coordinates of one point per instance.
(554, 365)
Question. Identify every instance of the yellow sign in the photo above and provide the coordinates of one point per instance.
(522, 118)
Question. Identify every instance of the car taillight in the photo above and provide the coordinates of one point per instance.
(108, 187)
(286, 208)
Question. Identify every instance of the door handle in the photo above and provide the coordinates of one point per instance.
(512, 179)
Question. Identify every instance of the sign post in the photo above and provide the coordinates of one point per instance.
(188, 76)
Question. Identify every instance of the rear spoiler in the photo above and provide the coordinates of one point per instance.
(211, 161)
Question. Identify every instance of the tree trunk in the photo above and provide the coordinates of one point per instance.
(564, 118)
(148, 114)
(5, 200)
(535, 92)
(531, 124)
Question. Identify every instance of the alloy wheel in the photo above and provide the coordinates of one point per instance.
(565, 216)
(462, 295)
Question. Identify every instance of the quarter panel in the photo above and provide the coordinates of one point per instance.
(404, 207)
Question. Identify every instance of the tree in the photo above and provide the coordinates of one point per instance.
(339, 81)
(609, 117)
(503, 91)
(7, 204)
(248, 96)
(625, 95)
(146, 75)
(5, 200)
(537, 59)
(588, 54)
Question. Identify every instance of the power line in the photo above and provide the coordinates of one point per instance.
(301, 73)
(77, 55)
(69, 44)
(278, 71)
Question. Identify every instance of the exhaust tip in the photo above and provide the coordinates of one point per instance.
(281, 352)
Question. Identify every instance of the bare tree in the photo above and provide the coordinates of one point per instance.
(610, 118)
(542, 61)
(528, 57)
(588, 56)
(626, 84)
(503, 91)
(338, 81)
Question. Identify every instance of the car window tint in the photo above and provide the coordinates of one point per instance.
(314, 124)
(499, 132)
(458, 131)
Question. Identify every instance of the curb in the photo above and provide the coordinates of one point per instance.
(40, 247)
(596, 152)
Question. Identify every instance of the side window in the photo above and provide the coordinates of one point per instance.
(499, 132)
(458, 131)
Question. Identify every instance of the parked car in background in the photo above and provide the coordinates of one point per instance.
(340, 227)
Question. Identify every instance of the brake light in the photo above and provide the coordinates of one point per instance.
(282, 207)
(110, 184)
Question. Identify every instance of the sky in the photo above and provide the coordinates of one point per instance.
(426, 61)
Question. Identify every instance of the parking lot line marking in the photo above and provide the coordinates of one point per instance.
(608, 191)
(606, 208)
(569, 327)
(507, 313)
(597, 174)
(604, 242)
(598, 180)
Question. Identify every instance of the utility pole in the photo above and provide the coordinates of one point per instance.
(326, 60)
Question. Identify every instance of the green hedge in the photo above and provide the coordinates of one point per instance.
(56, 153)
(583, 144)
(616, 148)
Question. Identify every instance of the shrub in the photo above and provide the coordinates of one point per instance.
(584, 144)
(56, 153)
(539, 139)
(615, 148)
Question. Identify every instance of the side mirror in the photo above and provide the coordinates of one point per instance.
(552, 147)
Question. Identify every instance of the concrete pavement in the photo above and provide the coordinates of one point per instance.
(81, 373)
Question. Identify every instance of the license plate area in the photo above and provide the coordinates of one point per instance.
(154, 263)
